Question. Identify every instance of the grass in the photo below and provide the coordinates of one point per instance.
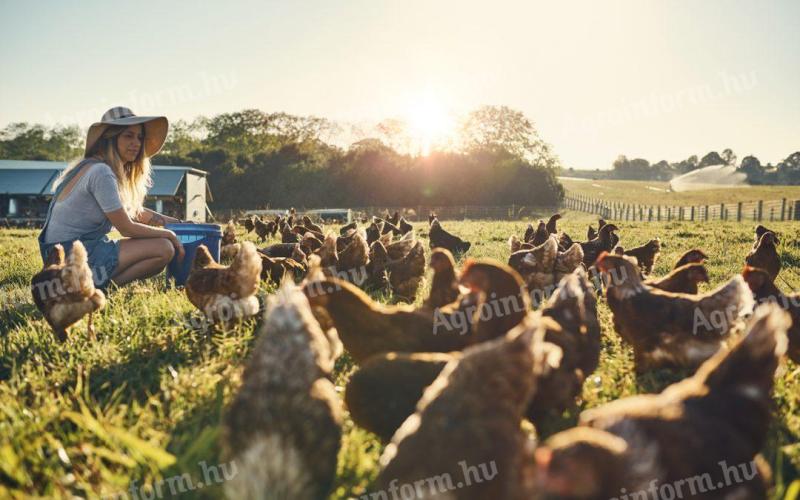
(143, 402)
(657, 193)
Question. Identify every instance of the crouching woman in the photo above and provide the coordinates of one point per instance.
(106, 189)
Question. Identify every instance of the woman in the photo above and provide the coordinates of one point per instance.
(107, 188)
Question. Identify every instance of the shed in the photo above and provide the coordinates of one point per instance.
(26, 189)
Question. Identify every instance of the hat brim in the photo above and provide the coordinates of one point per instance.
(155, 132)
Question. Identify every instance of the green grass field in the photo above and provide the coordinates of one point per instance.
(143, 402)
(657, 193)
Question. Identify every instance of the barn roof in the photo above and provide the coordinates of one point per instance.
(36, 177)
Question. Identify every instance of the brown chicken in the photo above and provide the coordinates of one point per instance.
(573, 307)
(670, 330)
(702, 434)
(289, 236)
(539, 236)
(444, 286)
(765, 291)
(225, 294)
(683, 279)
(536, 266)
(273, 269)
(405, 226)
(377, 268)
(64, 290)
(405, 274)
(470, 417)
(309, 224)
(646, 255)
(228, 252)
(229, 234)
(691, 256)
(764, 254)
(439, 238)
(385, 390)
(367, 328)
(249, 223)
(605, 242)
(263, 229)
(552, 224)
(284, 426)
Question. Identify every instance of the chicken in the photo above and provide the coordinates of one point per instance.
(536, 266)
(551, 226)
(400, 248)
(394, 219)
(405, 274)
(228, 252)
(701, 434)
(386, 388)
(470, 418)
(690, 256)
(229, 234)
(309, 224)
(567, 262)
(764, 254)
(405, 226)
(289, 236)
(444, 287)
(263, 229)
(573, 307)
(540, 235)
(274, 269)
(591, 233)
(346, 228)
(765, 291)
(284, 426)
(669, 329)
(374, 232)
(515, 245)
(646, 255)
(281, 250)
(64, 290)
(367, 328)
(439, 238)
(377, 268)
(222, 293)
(683, 279)
(605, 242)
(352, 261)
(249, 223)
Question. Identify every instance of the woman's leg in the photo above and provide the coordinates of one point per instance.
(141, 258)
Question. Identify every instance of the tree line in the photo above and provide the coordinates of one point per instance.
(261, 159)
(786, 171)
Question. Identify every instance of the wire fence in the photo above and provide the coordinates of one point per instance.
(761, 210)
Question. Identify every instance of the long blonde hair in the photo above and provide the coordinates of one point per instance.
(133, 178)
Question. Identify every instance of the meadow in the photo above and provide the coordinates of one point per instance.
(657, 193)
(143, 401)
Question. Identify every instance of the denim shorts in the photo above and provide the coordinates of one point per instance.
(103, 257)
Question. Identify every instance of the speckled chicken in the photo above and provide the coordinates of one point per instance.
(707, 427)
(669, 330)
(223, 293)
(64, 290)
(284, 426)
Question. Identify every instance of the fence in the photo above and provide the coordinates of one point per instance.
(462, 212)
(773, 210)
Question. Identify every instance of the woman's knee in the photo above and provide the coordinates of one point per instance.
(165, 250)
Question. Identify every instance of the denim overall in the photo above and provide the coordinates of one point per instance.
(103, 253)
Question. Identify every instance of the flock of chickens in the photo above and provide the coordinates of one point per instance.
(451, 381)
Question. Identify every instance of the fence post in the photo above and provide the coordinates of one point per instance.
(659, 214)
(760, 209)
(739, 212)
(783, 209)
(692, 219)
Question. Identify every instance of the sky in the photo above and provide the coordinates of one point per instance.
(651, 79)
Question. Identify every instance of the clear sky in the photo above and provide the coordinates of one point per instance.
(652, 79)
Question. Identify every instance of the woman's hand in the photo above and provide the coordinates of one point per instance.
(176, 243)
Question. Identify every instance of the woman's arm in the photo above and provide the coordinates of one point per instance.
(131, 229)
(153, 218)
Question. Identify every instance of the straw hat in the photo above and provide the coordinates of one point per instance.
(155, 128)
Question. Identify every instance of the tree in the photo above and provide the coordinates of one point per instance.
(712, 158)
(729, 156)
(751, 166)
(500, 127)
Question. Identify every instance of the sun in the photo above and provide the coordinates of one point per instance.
(429, 122)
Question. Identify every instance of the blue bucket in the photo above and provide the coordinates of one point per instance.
(192, 236)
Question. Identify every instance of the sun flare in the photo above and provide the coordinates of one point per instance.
(429, 122)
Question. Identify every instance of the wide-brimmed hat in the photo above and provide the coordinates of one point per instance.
(155, 128)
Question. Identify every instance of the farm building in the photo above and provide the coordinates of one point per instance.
(26, 189)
